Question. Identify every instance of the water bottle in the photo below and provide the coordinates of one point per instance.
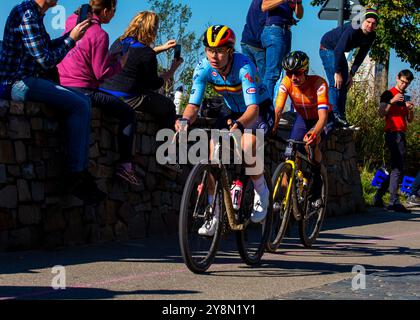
(236, 194)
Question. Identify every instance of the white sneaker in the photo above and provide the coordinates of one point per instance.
(260, 206)
(209, 227)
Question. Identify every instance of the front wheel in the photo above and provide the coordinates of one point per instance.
(311, 222)
(282, 204)
(199, 250)
(252, 241)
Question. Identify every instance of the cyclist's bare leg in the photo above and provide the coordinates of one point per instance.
(317, 152)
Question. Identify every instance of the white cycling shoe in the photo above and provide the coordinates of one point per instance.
(260, 206)
(209, 227)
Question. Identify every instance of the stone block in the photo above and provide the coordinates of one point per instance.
(33, 108)
(37, 124)
(121, 231)
(3, 130)
(29, 214)
(137, 227)
(35, 153)
(54, 219)
(8, 197)
(3, 174)
(126, 213)
(107, 233)
(17, 108)
(4, 107)
(20, 152)
(38, 191)
(19, 128)
(7, 220)
(6, 152)
(146, 146)
(13, 171)
(23, 191)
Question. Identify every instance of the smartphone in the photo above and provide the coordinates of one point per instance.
(177, 52)
(85, 9)
(407, 98)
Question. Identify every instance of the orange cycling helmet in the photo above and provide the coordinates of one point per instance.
(219, 36)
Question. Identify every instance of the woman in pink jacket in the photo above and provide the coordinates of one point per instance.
(84, 69)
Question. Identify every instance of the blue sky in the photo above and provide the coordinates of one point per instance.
(306, 35)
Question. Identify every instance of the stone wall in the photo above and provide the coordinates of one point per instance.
(35, 214)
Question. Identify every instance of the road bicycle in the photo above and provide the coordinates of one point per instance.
(216, 178)
(292, 183)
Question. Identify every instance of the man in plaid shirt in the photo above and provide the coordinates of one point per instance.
(27, 54)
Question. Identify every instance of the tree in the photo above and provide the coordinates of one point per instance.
(398, 28)
(173, 23)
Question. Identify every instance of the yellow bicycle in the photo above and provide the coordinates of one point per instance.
(292, 183)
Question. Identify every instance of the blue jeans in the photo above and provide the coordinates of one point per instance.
(256, 55)
(277, 42)
(75, 107)
(336, 96)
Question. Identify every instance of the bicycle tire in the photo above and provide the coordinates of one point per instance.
(198, 251)
(252, 241)
(305, 227)
(281, 211)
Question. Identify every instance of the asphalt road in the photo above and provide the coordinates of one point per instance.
(386, 245)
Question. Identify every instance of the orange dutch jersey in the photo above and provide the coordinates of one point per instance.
(307, 99)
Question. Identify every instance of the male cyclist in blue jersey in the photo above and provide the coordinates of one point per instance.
(235, 77)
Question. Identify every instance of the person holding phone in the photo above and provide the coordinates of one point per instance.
(27, 53)
(397, 112)
(88, 65)
(137, 82)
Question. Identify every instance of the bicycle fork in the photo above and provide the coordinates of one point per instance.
(286, 199)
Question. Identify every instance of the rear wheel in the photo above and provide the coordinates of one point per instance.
(197, 250)
(252, 240)
(311, 222)
(282, 206)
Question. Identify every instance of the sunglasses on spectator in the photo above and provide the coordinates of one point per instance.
(297, 73)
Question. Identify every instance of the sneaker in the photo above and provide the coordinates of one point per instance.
(398, 208)
(413, 201)
(260, 206)
(82, 185)
(341, 123)
(129, 176)
(209, 227)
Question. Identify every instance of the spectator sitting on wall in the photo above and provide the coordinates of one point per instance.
(138, 80)
(85, 68)
(26, 56)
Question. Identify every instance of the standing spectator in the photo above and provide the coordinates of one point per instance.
(397, 113)
(414, 198)
(87, 66)
(277, 36)
(139, 78)
(333, 46)
(27, 54)
(251, 36)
